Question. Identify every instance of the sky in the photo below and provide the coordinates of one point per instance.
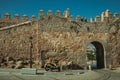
(84, 8)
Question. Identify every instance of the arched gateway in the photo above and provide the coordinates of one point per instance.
(102, 61)
(99, 54)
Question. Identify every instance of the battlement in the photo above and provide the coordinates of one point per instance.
(16, 17)
(6, 16)
(105, 17)
(7, 20)
(108, 17)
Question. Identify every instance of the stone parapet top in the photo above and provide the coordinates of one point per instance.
(58, 12)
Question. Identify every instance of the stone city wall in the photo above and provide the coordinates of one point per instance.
(59, 36)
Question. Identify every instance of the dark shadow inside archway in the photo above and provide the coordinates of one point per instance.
(99, 54)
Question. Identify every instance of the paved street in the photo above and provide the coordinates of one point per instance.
(109, 74)
(6, 74)
(114, 75)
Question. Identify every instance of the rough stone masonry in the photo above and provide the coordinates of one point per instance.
(59, 37)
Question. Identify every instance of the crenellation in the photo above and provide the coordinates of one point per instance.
(116, 16)
(92, 20)
(70, 18)
(33, 18)
(49, 13)
(7, 16)
(106, 19)
(78, 19)
(16, 18)
(41, 13)
(97, 19)
(67, 13)
(58, 13)
(110, 16)
(107, 13)
(24, 18)
(106, 16)
(102, 16)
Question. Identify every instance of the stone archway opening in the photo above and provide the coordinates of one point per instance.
(98, 53)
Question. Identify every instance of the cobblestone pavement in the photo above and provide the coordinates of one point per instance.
(65, 75)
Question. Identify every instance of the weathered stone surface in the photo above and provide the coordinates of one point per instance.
(60, 38)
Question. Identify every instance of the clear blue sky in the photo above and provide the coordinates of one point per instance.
(85, 8)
